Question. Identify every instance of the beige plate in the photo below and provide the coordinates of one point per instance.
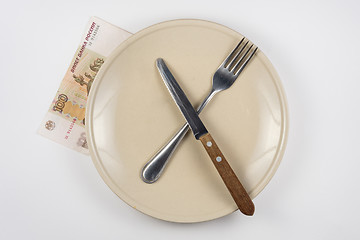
(130, 114)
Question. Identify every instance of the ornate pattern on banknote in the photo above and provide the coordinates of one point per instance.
(70, 100)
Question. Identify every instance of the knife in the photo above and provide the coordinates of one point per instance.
(233, 184)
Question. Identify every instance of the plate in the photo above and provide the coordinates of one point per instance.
(130, 115)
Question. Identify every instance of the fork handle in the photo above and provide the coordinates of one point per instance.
(156, 165)
(233, 184)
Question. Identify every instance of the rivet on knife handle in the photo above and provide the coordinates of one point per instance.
(236, 189)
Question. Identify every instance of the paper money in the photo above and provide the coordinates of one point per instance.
(65, 120)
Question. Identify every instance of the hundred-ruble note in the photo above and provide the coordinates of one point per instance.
(65, 120)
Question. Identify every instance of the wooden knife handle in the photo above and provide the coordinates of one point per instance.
(233, 184)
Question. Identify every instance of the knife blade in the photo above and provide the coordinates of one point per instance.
(233, 184)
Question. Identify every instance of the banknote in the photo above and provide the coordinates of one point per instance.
(65, 120)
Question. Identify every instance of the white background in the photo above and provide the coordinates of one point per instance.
(50, 192)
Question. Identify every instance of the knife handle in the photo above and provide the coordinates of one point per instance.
(233, 184)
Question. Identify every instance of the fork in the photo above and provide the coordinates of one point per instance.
(223, 78)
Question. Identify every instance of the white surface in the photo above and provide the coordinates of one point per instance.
(50, 192)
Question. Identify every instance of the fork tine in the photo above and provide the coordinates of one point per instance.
(241, 58)
(246, 61)
(237, 55)
(233, 51)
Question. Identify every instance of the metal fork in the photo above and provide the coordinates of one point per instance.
(223, 78)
